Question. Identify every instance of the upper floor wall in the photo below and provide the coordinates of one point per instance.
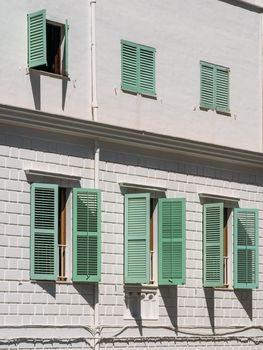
(183, 33)
(31, 88)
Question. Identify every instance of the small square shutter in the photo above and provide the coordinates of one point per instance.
(171, 249)
(222, 89)
(245, 248)
(129, 66)
(207, 85)
(86, 235)
(213, 216)
(37, 41)
(44, 232)
(147, 71)
(66, 48)
(137, 244)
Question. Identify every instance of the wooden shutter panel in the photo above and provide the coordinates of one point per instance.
(44, 232)
(66, 48)
(213, 217)
(222, 89)
(147, 71)
(86, 235)
(171, 249)
(129, 66)
(245, 248)
(206, 85)
(137, 231)
(37, 46)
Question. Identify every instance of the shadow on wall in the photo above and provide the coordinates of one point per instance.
(210, 304)
(170, 299)
(35, 77)
(245, 298)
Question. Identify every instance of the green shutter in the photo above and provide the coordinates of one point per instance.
(44, 232)
(207, 85)
(171, 249)
(222, 89)
(86, 235)
(37, 47)
(147, 71)
(129, 66)
(137, 244)
(213, 236)
(245, 248)
(66, 48)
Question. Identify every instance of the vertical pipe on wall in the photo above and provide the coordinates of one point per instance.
(94, 103)
(94, 111)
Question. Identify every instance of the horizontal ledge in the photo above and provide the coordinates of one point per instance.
(61, 176)
(142, 187)
(219, 197)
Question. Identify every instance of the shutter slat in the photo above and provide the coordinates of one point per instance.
(137, 249)
(37, 50)
(86, 235)
(66, 48)
(222, 89)
(129, 70)
(206, 85)
(245, 248)
(44, 232)
(213, 245)
(147, 71)
(171, 252)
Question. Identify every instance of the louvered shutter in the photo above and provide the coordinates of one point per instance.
(37, 46)
(44, 232)
(86, 235)
(147, 70)
(129, 66)
(137, 231)
(245, 248)
(222, 89)
(207, 85)
(213, 217)
(66, 48)
(171, 249)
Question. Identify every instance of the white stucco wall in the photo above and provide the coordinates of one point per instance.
(183, 33)
(41, 91)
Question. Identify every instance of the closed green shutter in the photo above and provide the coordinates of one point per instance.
(129, 66)
(86, 235)
(207, 85)
(147, 71)
(245, 248)
(137, 244)
(171, 249)
(213, 245)
(66, 48)
(37, 46)
(44, 232)
(222, 89)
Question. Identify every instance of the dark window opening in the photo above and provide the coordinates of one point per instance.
(53, 50)
(62, 234)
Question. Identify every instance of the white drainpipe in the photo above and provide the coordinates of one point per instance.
(94, 110)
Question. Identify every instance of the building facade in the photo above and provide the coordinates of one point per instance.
(131, 175)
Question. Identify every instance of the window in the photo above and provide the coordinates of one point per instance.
(137, 68)
(47, 44)
(216, 250)
(49, 247)
(214, 86)
(140, 247)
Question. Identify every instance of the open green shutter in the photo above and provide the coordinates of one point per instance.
(37, 46)
(213, 217)
(245, 248)
(129, 66)
(146, 70)
(171, 249)
(44, 232)
(207, 85)
(66, 48)
(222, 89)
(137, 244)
(86, 235)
